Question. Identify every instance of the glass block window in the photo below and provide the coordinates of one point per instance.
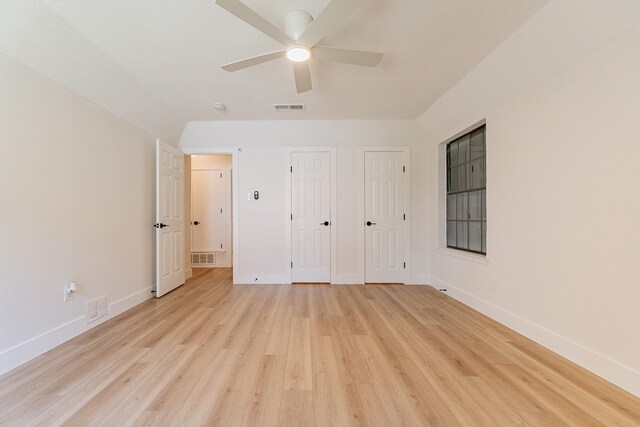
(467, 192)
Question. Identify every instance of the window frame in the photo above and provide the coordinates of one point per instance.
(479, 191)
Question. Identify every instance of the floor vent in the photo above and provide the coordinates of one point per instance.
(289, 107)
(96, 308)
(203, 258)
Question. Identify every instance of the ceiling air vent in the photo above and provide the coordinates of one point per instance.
(288, 107)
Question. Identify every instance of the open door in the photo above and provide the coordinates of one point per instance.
(169, 218)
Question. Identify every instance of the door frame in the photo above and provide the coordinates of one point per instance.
(235, 161)
(333, 202)
(406, 156)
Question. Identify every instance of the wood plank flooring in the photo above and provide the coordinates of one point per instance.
(211, 353)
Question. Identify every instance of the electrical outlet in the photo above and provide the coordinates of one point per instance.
(69, 291)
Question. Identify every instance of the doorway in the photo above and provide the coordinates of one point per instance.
(210, 226)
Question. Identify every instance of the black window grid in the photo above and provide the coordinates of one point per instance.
(460, 173)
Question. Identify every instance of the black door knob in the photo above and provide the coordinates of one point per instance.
(163, 225)
(326, 223)
(369, 223)
(196, 222)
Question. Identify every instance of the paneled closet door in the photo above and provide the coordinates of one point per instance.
(384, 217)
(311, 217)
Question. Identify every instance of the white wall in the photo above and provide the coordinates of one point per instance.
(216, 162)
(561, 98)
(35, 35)
(263, 166)
(77, 204)
(188, 271)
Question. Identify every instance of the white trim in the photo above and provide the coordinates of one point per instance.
(347, 279)
(124, 304)
(407, 204)
(419, 279)
(333, 202)
(465, 131)
(469, 256)
(188, 273)
(621, 375)
(264, 279)
(287, 210)
(21, 353)
(235, 162)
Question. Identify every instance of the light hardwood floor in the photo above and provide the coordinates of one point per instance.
(211, 353)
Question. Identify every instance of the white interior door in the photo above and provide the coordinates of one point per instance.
(311, 217)
(384, 217)
(169, 218)
(208, 216)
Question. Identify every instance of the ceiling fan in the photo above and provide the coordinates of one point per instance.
(302, 33)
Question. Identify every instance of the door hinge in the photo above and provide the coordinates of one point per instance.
(404, 265)
(220, 210)
(220, 174)
(291, 217)
(291, 264)
(220, 245)
(404, 217)
(291, 169)
(404, 169)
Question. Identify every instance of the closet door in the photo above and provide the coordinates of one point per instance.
(311, 217)
(208, 219)
(384, 217)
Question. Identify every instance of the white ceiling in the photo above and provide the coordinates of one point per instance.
(158, 61)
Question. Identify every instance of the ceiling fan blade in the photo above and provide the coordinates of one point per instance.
(303, 76)
(348, 56)
(248, 15)
(245, 63)
(329, 19)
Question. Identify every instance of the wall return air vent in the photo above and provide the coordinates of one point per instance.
(203, 258)
(289, 107)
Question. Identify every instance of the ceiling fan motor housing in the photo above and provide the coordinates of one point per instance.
(296, 22)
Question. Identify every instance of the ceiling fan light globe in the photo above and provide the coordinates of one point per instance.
(298, 53)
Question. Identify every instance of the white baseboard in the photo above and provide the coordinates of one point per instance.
(130, 301)
(358, 279)
(419, 279)
(268, 279)
(340, 279)
(619, 374)
(17, 355)
(347, 279)
(188, 273)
